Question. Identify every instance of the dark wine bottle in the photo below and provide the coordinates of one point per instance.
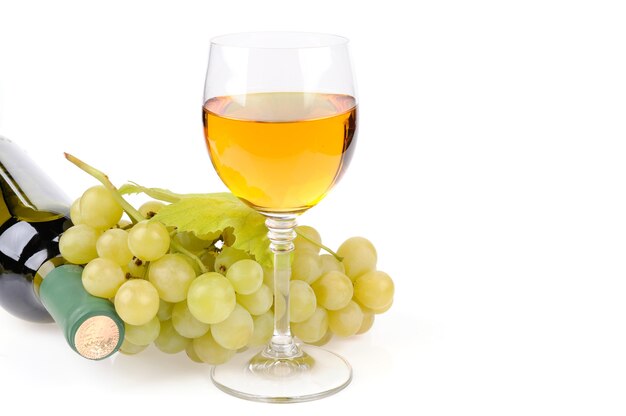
(36, 284)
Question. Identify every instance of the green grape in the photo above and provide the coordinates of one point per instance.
(129, 348)
(143, 334)
(227, 257)
(376, 311)
(185, 323)
(235, 331)
(359, 256)
(210, 351)
(149, 240)
(137, 268)
(331, 264)
(374, 290)
(194, 265)
(302, 301)
(347, 321)
(368, 322)
(302, 244)
(314, 328)
(384, 309)
(75, 212)
(126, 271)
(211, 298)
(99, 209)
(333, 290)
(306, 266)
(263, 330)
(171, 275)
(123, 223)
(78, 244)
(259, 302)
(246, 276)
(102, 278)
(170, 341)
(113, 245)
(165, 310)
(191, 353)
(150, 209)
(137, 302)
(325, 339)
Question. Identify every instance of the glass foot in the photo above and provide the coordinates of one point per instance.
(314, 374)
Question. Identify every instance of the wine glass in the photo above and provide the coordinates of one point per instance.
(280, 116)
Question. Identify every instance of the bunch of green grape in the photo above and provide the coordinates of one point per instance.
(165, 297)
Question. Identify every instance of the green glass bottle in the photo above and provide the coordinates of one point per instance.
(36, 284)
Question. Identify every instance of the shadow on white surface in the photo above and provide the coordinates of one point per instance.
(38, 353)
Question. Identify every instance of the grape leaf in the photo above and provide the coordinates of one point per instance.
(209, 213)
(156, 193)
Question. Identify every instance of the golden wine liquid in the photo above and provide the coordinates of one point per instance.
(280, 152)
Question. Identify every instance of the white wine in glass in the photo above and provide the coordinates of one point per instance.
(280, 119)
(280, 151)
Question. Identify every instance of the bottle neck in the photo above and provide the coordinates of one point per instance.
(15, 202)
(45, 269)
(26, 191)
(33, 214)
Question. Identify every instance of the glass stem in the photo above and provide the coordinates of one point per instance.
(281, 235)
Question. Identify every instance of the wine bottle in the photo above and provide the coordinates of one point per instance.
(36, 284)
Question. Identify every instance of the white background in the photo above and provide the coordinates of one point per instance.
(489, 172)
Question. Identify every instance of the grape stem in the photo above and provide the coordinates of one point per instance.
(320, 245)
(179, 247)
(134, 214)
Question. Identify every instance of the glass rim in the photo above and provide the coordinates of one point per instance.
(272, 40)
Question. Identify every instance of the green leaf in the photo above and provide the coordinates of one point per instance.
(209, 213)
(156, 193)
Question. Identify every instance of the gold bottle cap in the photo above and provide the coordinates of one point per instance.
(97, 337)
